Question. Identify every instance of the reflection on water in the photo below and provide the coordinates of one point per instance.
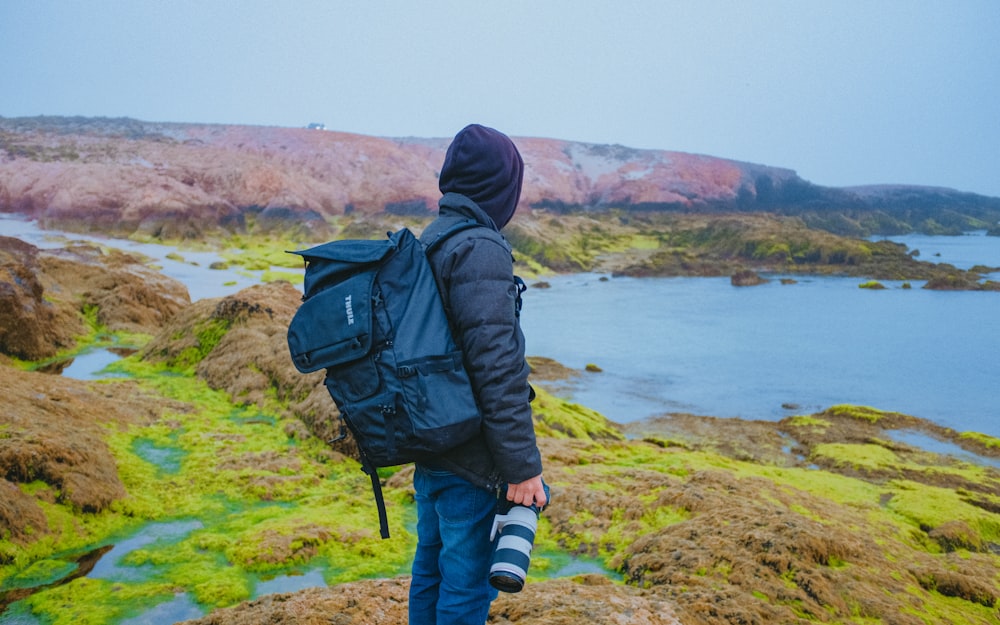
(291, 583)
(82, 567)
(106, 563)
(89, 365)
(558, 564)
(931, 444)
(180, 608)
(109, 566)
(166, 459)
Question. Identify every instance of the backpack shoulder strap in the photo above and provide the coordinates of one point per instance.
(445, 234)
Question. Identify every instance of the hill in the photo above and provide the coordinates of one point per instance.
(172, 180)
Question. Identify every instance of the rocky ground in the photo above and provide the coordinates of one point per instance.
(588, 598)
(819, 518)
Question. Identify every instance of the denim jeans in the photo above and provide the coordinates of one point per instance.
(451, 568)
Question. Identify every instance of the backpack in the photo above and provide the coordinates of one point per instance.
(372, 316)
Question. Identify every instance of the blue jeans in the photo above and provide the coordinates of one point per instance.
(451, 568)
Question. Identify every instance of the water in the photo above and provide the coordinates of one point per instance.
(929, 443)
(191, 268)
(89, 365)
(964, 252)
(110, 565)
(290, 583)
(702, 346)
(180, 608)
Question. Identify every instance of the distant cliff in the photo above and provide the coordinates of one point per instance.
(174, 179)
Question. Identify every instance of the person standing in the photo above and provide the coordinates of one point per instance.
(457, 493)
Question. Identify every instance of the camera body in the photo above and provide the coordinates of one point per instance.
(516, 525)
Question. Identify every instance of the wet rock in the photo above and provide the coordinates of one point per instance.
(746, 277)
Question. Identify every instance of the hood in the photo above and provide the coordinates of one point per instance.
(484, 165)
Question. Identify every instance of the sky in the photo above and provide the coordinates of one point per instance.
(845, 92)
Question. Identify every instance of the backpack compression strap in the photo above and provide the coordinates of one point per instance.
(383, 518)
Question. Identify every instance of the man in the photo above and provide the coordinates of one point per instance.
(457, 493)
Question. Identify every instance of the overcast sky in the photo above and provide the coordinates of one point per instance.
(844, 92)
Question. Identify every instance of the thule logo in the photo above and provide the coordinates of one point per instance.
(349, 309)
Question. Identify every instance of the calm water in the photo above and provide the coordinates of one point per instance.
(702, 346)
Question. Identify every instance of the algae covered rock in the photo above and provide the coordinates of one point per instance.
(45, 294)
(238, 344)
(31, 326)
(746, 277)
(51, 433)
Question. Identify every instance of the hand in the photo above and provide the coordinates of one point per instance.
(528, 492)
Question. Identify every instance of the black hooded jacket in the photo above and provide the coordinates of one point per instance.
(474, 270)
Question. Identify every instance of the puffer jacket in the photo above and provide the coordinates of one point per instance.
(474, 270)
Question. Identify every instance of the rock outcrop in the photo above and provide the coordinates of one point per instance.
(44, 295)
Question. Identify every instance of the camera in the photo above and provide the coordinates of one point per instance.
(516, 525)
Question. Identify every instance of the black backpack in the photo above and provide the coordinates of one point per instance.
(372, 316)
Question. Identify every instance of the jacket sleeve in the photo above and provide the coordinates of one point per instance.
(481, 298)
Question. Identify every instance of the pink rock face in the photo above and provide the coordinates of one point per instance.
(125, 175)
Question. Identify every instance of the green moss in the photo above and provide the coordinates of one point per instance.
(288, 276)
(808, 421)
(985, 439)
(563, 419)
(262, 253)
(266, 503)
(861, 413)
(40, 572)
(868, 456)
(644, 242)
(929, 507)
(87, 601)
(207, 334)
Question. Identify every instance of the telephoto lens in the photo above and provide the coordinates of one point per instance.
(516, 525)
